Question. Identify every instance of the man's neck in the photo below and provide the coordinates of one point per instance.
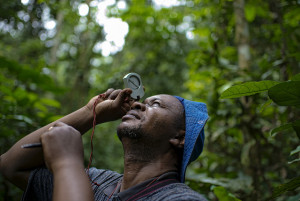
(137, 171)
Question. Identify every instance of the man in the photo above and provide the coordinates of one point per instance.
(160, 137)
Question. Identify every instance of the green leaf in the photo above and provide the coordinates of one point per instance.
(266, 104)
(21, 118)
(296, 127)
(293, 161)
(245, 158)
(281, 128)
(286, 93)
(296, 77)
(291, 17)
(248, 88)
(50, 102)
(294, 198)
(289, 186)
(27, 74)
(250, 12)
(295, 150)
(54, 118)
(223, 195)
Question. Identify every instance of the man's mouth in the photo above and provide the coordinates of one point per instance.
(130, 115)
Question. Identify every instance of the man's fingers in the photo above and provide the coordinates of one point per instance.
(59, 127)
(114, 94)
(58, 124)
(122, 95)
(108, 92)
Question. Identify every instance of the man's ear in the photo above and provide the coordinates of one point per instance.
(178, 140)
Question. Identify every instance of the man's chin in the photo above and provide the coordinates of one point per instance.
(125, 129)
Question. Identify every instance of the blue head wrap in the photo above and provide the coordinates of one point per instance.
(195, 119)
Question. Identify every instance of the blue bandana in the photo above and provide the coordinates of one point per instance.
(195, 119)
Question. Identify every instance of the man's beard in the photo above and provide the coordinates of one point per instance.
(140, 150)
(130, 132)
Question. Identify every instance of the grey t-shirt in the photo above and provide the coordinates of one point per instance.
(166, 187)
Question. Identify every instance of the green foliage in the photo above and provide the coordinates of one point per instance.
(223, 195)
(190, 50)
(286, 93)
(22, 108)
(289, 186)
(295, 150)
(250, 12)
(295, 125)
(281, 128)
(283, 94)
(296, 77)
(248, 88)
(26, 103)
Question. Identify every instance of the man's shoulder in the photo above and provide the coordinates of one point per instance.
(101, 172)
(103, 176)
(176, 191)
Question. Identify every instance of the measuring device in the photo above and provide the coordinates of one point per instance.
(134, 82)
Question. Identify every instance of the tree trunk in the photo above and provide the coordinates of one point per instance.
(242, 35)
(59, 23)
(250, 136)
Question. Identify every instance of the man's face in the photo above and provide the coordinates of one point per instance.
(153, 119)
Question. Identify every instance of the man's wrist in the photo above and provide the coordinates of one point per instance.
(66, 164)
(88, 112)
(86, 117)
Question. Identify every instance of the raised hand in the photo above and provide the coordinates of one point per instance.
(111, 105)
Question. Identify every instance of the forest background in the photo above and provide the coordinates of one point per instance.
(56, 55)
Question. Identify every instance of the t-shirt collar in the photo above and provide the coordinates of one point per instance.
(126, 194)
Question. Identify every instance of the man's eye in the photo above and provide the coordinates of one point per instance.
(155, 104)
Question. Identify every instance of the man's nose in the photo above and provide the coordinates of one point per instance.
(138, 106)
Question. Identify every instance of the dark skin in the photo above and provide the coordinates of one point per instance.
(62, 150)
(159, 137)
(63, 155)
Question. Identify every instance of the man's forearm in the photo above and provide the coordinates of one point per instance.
(77, 182)
(17, 162)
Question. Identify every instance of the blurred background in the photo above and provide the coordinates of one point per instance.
(56, 55)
